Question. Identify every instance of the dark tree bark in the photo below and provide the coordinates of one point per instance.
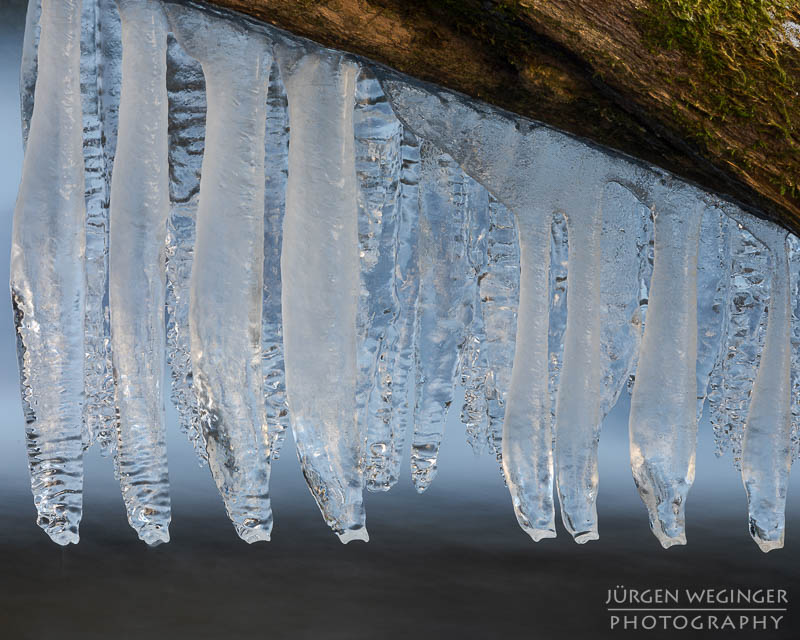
(692, 86)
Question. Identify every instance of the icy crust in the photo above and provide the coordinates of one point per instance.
(323, 243)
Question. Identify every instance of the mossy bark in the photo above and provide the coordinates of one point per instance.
(710, 94)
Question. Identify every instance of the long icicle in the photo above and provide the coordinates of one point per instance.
(501, 154)
(578, 401)
(320, 288)
(663, 416)
(766, 447)
(139, 209)
(48, 277)
(225, 300)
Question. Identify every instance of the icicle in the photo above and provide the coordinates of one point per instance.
(225, 300)
(620, 312)
(734, 373)
(500, 153)
(444, 304)
(48, 277)
(713, 289)
(139, 208)
(527, 430)
(320, 287)
(766, 447)
(557, 294)
(276, 167)
(187, 124)
(377, 146)
(794, 274)
(100, 384)
(577, 404)
(384, 459)
(99, 412)
(663, 417)
(29, 65)
(473, 364)
(499, 292)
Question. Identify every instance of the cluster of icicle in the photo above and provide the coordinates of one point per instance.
(317, 241)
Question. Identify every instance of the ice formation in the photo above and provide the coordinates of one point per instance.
(316, 241)
(138, 215)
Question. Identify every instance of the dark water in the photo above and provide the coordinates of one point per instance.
(470, 574)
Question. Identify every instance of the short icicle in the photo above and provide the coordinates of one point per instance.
(225, 301)
(499, 294)
(139, 209)
(384, 462)
(186, 91)
(378, 136)
(29, 65)
(48, 277)
(473, 364)
(663, 416)
(713, 290)
(766, 447)
(622, 241)
(444, 304)
(320, 287)
(733, 374)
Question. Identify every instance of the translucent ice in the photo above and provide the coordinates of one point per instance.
(385, 448)
(320, 287)
(329, 244)
(48, 276)
(577, 405)
(225, 300)
(713, 290)
(99, 411)
(734, 373)
(766, 447)
(276, 158)
(445, 303)
(186, 91)
(29, 64)
(139, 209)
(557, 293)
(378, 137)
(663, 416)
(473, 364)
(500, 154)
(499, 292)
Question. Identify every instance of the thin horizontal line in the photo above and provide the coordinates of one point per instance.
(690, 609)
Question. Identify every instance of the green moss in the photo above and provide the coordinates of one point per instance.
(749, 75)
